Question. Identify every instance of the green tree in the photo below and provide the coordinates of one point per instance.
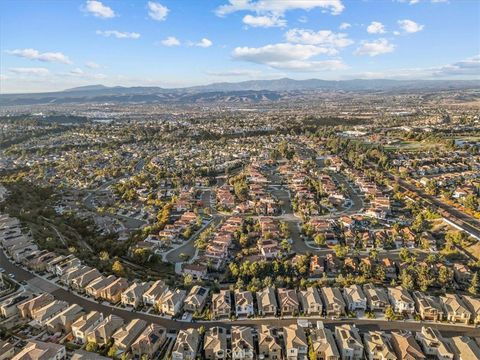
(91, 346)
(407, 280)
(389, 313)
(473, 289)
(320, 239)
(112, 352)
(188, 280)
(340, 251)
(104, 256)
(118, 269)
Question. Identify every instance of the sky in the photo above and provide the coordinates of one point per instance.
(54, 45)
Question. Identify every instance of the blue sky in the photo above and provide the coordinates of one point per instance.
(52, 45)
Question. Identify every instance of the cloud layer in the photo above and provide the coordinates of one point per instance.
(33, 54)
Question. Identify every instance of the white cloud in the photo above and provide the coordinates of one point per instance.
(288, 56)
(470, 66)
(278, 53)
(265, 21)
(322, 37)
(170, 41)
(468, 69)
(118, 34)
(33, 54)
(96, 8)
(279, 7)
(157, 11)
(376, 27)
(204, 43)
(92, 65)
(413, 2)
(374, 48)
(344, 26)
(410, 26)
(76, 71)
(30, 71)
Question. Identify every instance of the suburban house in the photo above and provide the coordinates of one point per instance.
(73, 273)
(311, 301)
(45, 313)
(334, 304)
(124, 337)
(10, 306)
(102, 333)
(465, 347)
(80, 282)
(7, 350)
(221, 304)
(377, 346)
(149, 341)
(171, 302)
(267, 302)
(288, 302)
(95, 287)
(455, 309)
(196, 299)
(215, 343)
(473, 305)
(113, 292)
(462, 274)
(26, 309)
(186, 345)
(323, 344)
(433, 344)
(41, 350)
(401, 300)
(154, 292)
(377, 297)
(268, 343)
(133, 295)
(406, 347)
(355, 298)
(243, 303)
(349, 342)
(63, 321)
(85, 355)
(84, 325)
(428, 307)
(296, 344)
(243, 346)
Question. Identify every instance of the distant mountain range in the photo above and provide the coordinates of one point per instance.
(253, 91)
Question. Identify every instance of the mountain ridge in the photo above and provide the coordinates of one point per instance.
(245, 91)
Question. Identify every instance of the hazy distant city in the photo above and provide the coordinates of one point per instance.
(254, 179)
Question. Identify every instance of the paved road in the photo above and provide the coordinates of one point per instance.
(61, 294)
